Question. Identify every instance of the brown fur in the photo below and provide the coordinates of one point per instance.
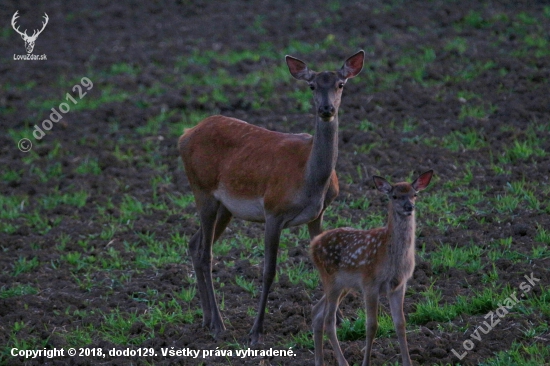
(251, 161)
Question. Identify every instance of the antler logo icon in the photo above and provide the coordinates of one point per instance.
(29, 40)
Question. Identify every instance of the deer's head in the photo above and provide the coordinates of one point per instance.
(327, 85)
(403, 195)
(29, 40)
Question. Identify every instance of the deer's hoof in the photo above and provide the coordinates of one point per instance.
(255, 338)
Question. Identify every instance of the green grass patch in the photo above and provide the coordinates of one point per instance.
(430, 308)
(298, 274)
(543, 235)
(157, 253)
(123, 68)
(457, 44)
(355, 329)
(91, 101)
(519, 354)
(89, 166)
(459, 140)
(248, 285)
(77, 199)
(18, 290)
(467, 258)
(522, 150)
(476, 111)
(11, 207)
(24, 265)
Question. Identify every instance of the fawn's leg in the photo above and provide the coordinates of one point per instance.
(396, 299)
(371, 309)
(318, 325)
(331, 306)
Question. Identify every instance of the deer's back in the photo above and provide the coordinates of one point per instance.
(244, 160)
(354, 258)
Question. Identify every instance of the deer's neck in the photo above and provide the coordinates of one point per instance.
(322, 159)
(401, 230)
(400, 249)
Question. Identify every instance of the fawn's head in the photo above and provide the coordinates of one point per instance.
(403, 195)
(327, 85)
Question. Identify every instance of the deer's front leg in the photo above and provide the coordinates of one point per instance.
(315, 227)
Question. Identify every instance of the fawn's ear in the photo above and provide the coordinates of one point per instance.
(422, 181)
(298, 69)
(382, 185)
(353, 65)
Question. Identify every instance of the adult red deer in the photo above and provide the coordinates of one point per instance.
(238, 169)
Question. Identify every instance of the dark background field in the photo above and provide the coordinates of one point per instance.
(94, 220)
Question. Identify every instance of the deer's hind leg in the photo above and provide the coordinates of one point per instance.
(214, 219)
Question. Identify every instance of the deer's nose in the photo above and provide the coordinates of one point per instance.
(326, 110)
(408, 206)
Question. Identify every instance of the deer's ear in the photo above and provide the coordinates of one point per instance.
(382, 185)
(423, 180)
(353, 65)
(298, 69)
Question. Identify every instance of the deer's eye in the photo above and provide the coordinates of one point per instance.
(312, 87)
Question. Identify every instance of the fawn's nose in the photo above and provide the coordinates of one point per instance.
(408, 207)
(327, 110)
